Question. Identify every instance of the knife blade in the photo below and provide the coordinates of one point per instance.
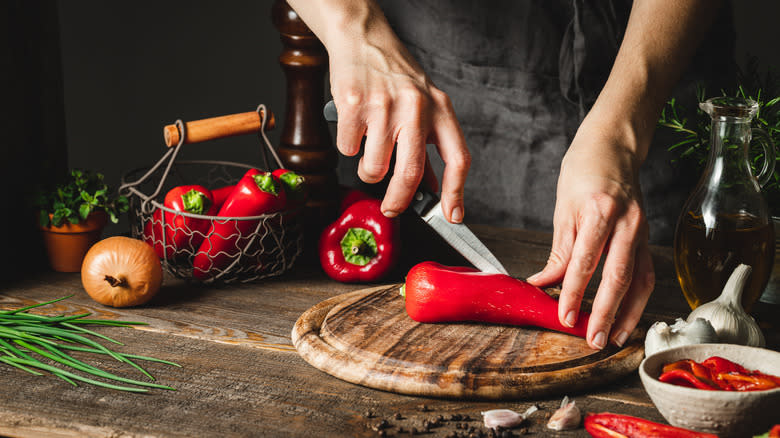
(428, 206)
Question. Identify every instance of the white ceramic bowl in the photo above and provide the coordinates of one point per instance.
(725, 413)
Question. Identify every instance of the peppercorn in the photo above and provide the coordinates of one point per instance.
(398, 416)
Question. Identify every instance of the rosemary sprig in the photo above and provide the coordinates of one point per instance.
(26, 339)
(693, 136)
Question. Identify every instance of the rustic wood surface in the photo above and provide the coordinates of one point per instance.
(366, 337)
(241, 375)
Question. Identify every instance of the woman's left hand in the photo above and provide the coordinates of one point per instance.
(598, 213)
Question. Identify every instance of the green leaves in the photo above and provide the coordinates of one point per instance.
(78, 195)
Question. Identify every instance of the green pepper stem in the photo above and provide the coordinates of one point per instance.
(265, 182)
(195, 202)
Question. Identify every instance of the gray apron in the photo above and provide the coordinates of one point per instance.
(521, 76)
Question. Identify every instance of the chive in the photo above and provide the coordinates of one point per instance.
(47, 337)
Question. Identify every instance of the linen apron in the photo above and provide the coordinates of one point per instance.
(521, 76)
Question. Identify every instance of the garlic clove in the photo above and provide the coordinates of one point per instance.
(506, 418)
(567, 417)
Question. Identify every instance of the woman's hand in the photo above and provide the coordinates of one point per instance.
(383, 94)
(598, 212)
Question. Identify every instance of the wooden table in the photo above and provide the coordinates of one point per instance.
(241, 376)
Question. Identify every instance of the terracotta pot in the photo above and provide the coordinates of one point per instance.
(68, 244)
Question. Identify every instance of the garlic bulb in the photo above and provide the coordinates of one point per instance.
(567, 417)
(662, 336)
(730, 321)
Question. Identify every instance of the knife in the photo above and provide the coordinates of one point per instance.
(428, 206)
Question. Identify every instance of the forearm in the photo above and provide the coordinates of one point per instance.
(660, 39)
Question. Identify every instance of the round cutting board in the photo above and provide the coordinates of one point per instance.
(365, 337)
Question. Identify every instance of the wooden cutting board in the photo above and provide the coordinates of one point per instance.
(365, 337)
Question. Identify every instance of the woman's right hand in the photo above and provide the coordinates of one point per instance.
(383, 94)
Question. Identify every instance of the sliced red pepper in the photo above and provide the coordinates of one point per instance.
(718, 365)
(183, 234)
(438, 293)
(609, 425)
(257, 193)
(743, 382)
(686, 378)
(362, 245)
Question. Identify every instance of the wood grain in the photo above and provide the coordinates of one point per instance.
(365, 337)
(218, 127)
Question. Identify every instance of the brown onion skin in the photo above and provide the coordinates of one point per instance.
(121, 272)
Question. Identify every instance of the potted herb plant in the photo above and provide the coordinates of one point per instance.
(693, 138)
(72, 217)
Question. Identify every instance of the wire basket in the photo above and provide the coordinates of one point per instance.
(203, 247)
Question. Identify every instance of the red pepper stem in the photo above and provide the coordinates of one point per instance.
(266, 183)
(292, 181)
(195, 202)
(358, 246)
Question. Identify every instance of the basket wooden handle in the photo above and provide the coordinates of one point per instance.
(218, 127)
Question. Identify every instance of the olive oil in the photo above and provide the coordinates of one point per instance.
(705, 258)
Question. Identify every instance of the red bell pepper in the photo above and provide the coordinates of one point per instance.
(774, 432)
(362, 245)
(437, 293)
(608, 425)
(350, 196)
(183, 235)
(221, 194)
(257, 193)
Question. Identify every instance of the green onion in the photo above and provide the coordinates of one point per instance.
(27, 339)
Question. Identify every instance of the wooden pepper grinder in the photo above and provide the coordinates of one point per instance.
(305, 145)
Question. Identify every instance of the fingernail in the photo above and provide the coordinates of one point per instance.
(620, 339)
(600, 340)
(390, 213)
(571, 318)
(534, 277)
(456, 214)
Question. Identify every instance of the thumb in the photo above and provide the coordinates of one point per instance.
(558, 260)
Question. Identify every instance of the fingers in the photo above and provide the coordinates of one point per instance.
(457, 159)
(563, 241)
(616, 279)
(596, 224)
(351, 127)
(637, 296)
(410, 164)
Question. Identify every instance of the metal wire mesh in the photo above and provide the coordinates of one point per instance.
(255, 247)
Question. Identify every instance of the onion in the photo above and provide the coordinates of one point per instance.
(121, 272)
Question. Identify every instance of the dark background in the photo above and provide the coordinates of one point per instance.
(128, 68)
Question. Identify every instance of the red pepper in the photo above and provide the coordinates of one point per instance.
(351, 196)
(608, 425)
(774, 432)
(745, 382)
(362, 245)
(182, 234)
(257, 193)
(295, 186)
(221, 194)
(686, 378)
(437, 293)
(718, 365)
